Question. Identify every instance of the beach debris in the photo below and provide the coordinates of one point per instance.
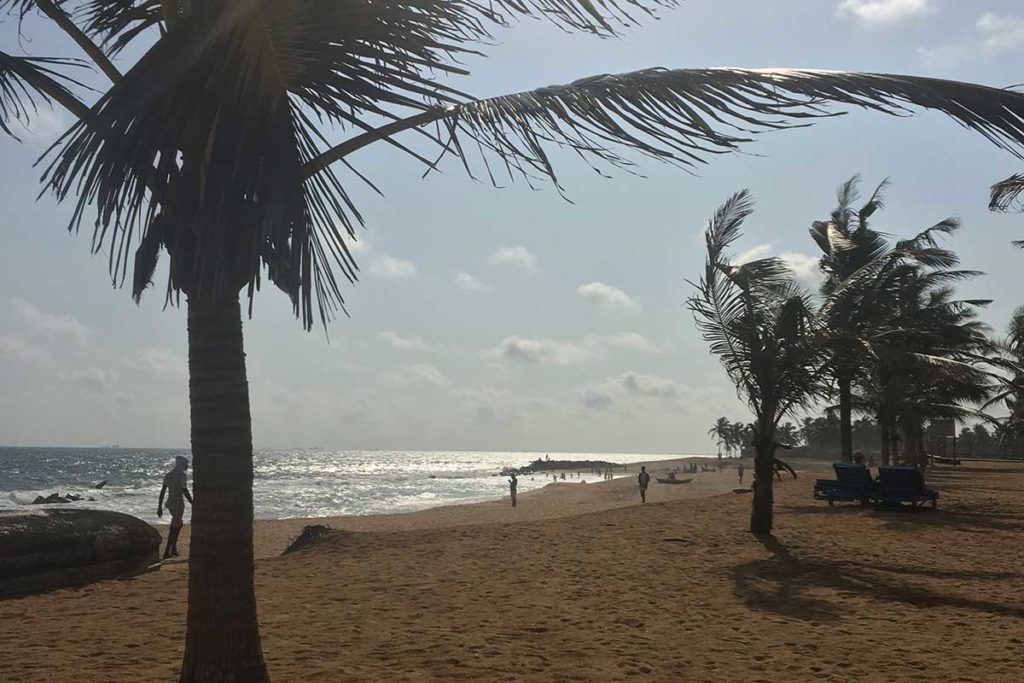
(742, 490)
(308, 538)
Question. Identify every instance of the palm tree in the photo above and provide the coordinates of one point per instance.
(720, 431)
(1008, 363)
(212, 149)
(788, 434)
(861, 269)
(761, 326)
(929, 359)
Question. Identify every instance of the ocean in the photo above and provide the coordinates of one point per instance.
(288, 483)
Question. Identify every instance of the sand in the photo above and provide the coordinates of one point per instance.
(581, 583)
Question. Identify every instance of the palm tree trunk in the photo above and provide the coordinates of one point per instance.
(845, 418)
(222, 642)
(883, 428)
(762, 512)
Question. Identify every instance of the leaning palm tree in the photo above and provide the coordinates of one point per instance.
(761, 326)
(218, 148)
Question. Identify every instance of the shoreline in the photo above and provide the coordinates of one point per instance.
(554, 500)
(672, 590)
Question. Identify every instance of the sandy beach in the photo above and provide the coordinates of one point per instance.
(581, 583)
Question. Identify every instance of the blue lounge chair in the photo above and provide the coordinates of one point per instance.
(898, 484)
(852, 483)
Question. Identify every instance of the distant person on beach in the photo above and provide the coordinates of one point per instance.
(739, 468)
(176, 488)
(643, 479)
(513, 483)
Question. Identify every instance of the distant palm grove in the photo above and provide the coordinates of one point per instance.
(886, 345)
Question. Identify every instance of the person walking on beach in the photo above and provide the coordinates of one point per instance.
(176, 488)
(739, 468)
(513, 483)
(643, 479)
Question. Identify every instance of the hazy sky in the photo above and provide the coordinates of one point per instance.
(511, 319)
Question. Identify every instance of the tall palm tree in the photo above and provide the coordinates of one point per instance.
(761, 326)
(848, 246)
(862, 271)
(212, 149)
(720, 431)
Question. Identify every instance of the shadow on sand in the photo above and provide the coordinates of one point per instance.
(780, 584)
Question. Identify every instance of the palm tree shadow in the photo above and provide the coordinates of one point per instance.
(779, 584)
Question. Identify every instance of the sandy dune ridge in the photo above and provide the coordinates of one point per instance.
(668, 591)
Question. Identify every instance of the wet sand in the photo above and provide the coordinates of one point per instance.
(581, 583)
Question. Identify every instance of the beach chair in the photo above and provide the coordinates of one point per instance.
(852, 483)
(898, 484)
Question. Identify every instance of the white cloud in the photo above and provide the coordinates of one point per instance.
(557, 352)
(470, 282)
(755, 253)
(47, 326)
(23, 352)
(631, 388)
(159, 361)
(44, 125)
(514, 256)
(546, 351)
(396, 341)
(649, 385)
(629, 341)
(997, 33)
(1001, 32)
(596, 399)
(392, 268)
(356, 246)
(607, 295)
(415, 375)
(804, 267)
(883, 12)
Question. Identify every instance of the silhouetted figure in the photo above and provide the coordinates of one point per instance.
(176, 488)
(513, 483)
(739, 469)
(858, 458)
(563, 476)
(642, 480)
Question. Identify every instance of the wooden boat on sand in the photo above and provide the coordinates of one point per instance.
(673, 480)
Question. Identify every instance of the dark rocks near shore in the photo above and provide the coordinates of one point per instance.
(45, 549)
(57, 498)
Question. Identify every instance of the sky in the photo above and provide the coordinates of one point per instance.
(511, 318)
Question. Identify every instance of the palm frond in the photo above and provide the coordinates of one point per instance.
(116, 23)
(688, 115)
(1007, 194)
(27, 82)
